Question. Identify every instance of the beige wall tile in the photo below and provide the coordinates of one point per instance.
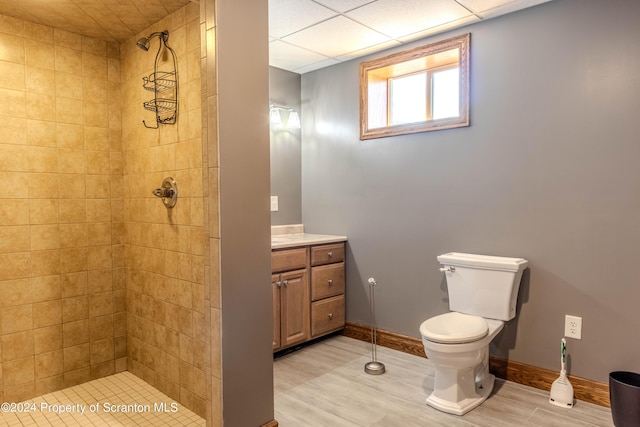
(10, 25)
(46, 288)
(47, 313)
(17, 372)
(67, 39)
(17, 318)
(40, 106)
(68, 85)
(13, 75)
(74, 284)
(69, 135)
(43, 211)
(49, 384)
(100, 281)
(101, 304)
(47, 339)
(12, 48)
(40, 80)
(15, 265)
(14, 103)
(96, 138)
(102, 350)
(98, 185)
(16, 292)
(72, 210)
(13, 131)
(95, 114)
(42, 185)
(76, 357)
(73, 260)
(14, 239)
(45, 236)
(49, 364)
(69, 110)
(45, 263)
(41, 133)
(75, 308)
(68, 60)
(42, 159)
(71, 186)
(17, 345)
(39, 54)
(38, 32)
(75, 333)
(76, 377)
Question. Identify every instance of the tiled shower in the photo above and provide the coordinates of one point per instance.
(96, 275)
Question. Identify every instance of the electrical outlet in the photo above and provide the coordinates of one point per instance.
(573, 327)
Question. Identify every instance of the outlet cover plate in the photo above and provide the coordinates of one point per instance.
(573, 327)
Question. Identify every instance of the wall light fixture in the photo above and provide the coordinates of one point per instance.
(291, 118)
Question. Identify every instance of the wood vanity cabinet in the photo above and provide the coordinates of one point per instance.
(308, 293)
(290, 297)
(327, 289)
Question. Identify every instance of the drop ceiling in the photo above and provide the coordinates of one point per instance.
(306, 35)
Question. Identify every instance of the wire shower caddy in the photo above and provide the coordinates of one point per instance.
(164, 85)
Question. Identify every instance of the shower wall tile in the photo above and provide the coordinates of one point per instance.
(164, 248)
(61, 224)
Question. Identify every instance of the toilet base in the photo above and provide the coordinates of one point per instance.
(483, 390)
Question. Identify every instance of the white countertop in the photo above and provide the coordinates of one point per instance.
(283, 237)
(303, 239)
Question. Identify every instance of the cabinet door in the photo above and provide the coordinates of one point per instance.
(275, 286)
(294, 307)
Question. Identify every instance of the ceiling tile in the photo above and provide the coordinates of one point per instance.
(409, 16)
(343, 5)
(336, 37)
(371, 49)
(482, 5)
(288, 57)
(289, 16)
(508, 8)
(316, 66)
(440, 28)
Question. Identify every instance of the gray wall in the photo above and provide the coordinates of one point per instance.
(245, 251)
(548, 171)
(286, 180)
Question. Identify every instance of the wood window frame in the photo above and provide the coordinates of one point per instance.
(374, 87)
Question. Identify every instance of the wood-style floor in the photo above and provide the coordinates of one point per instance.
(324, 385)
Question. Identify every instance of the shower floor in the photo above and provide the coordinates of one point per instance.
(118, 400)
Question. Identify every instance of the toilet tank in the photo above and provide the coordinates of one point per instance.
(483, 285)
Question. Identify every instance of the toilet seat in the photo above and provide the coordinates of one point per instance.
(454, 328)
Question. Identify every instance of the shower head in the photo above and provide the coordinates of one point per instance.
(144, 42)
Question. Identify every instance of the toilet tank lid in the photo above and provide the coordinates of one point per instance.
(487, 262)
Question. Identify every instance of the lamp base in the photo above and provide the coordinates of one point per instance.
(374, 368)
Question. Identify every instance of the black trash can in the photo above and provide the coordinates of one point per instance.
(624, 393)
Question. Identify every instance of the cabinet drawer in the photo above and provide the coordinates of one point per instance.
(289, 259)
(327, 254)
(327, 315)
(327, 281)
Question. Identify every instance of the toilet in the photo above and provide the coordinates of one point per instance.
(482, 295)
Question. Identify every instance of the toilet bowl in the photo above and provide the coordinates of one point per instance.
(458, 346)
(482, 296)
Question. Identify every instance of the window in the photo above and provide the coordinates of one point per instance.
(418, 90)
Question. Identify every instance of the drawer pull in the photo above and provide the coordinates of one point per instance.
(330, 282)
(285, 282)
(279, 283)
(330, 254)
(330, 316)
